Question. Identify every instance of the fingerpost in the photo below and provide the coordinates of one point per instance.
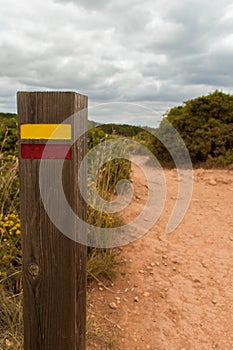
(54, 266)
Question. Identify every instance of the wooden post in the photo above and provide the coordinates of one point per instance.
(54, 266)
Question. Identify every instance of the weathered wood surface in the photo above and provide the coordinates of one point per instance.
(54, 266)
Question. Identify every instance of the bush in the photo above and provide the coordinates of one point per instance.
(206, 126)
(8, 134)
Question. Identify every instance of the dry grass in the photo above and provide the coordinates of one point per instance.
(100, 330)
(9, 184)
(101, 263)
(11, 313)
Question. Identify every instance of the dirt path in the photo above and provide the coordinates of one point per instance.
(175, 292)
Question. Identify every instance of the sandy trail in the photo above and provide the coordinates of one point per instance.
(175, 292)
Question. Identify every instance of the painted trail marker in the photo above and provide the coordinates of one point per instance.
(54, 267)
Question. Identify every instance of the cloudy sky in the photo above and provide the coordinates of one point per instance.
(134, 59)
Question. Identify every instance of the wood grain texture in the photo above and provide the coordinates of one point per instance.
(54, 266)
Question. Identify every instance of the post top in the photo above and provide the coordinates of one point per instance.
(51, 92)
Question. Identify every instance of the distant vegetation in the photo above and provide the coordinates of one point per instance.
(8, 134)
(206, 126)
(121, 129)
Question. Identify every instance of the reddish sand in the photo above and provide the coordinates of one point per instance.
(175, 291)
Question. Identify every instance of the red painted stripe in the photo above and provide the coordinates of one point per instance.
(43, 151)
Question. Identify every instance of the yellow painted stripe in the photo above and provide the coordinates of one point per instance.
(46, 131)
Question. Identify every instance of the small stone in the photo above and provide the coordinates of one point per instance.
(152, 264)
(214, 301)
(8, 343)
(136, 299)
(174, 268)
(118, 299)
(146, 294)
(225, 181)
(217, 210)
(162, 295)
(212, 182)
(196, 280)
(141, 271)
(157, 263)
(164, 256)
(204, 264)
(101, 289)
(113, 305)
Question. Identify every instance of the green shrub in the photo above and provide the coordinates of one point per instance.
(8, 134)
(206, 126)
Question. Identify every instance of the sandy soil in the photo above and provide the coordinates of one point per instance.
(175, 292)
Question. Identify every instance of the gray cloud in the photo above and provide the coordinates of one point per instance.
(89, 4)
(156, 52)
